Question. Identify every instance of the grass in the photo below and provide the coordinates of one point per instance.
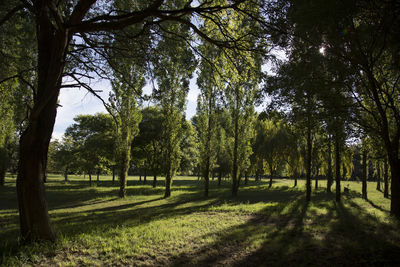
(261, 227)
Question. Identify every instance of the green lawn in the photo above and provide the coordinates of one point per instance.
(271, 227)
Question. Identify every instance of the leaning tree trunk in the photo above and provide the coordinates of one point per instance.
(337, 168)
(34, 142)
(364, 174)
(385, 179)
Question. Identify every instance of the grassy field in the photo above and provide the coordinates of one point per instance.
(262, 227)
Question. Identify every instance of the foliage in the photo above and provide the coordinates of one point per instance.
(93, 141)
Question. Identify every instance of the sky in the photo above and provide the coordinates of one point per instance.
(75, 101)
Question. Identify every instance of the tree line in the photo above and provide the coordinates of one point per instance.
(333, 96)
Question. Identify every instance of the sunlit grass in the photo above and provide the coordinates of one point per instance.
(262, 226)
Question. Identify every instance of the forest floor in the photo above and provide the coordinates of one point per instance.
(261, 227)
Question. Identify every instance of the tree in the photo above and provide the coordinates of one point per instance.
(370, 61)
(93, 140)
(272, 144)
(206, 114)
(62, 155)
(147, 145)
(64, 34)
(189, 147)
(174, 65)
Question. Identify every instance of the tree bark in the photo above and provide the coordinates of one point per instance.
(364, 174)
(90, 178)
(394, 163)
(168, 182)
(113, 175)
(270, 178)
(385, 179)
(98, 176)
(66, 175)
(308, 162)
(2, 176)
(378, 176)
(295, 180)
(219, 177)
(246, 178)
(329, 176)
(34, 142)
(235, 185)
(337, 168)
(155, 181)
(124, 165)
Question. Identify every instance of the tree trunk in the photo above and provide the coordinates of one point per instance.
(113, 175)
(98, 176)
(246, 178)
(155, 181)
(124, 165)
(219, 177)
(235, 185)
(378, 176)
(316, 182)
(2, 176)
(145, 176)
(329, 176)
(270, 178)
(34, 142)
(207, 177)
(90, 178)
(364, 174)
(66, 175)
(140, 176)
(308, 163)
(394, 163)
(337, 168)
(168, 182)
(295, 180)
(385, 178)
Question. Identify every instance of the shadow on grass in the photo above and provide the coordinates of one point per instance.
(292, 232)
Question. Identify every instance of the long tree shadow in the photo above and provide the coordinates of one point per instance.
(288, 232)
(293, 234)
(231, 248)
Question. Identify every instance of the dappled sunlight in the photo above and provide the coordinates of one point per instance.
(262, 226)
